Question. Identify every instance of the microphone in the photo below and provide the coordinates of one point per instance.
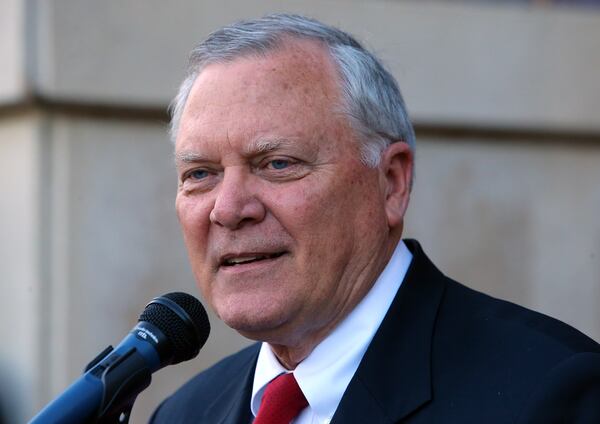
(171, 329)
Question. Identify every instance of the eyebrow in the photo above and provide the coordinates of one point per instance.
(189, 157)
(266, 145)
(256, 147)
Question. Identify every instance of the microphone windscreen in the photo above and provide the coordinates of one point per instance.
(182, 319)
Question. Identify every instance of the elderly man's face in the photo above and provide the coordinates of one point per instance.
(285, 228)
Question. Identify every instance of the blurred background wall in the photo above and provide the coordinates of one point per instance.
(505, 97)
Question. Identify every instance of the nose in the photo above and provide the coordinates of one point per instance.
(237, 202)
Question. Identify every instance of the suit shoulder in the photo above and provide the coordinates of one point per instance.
(520, 325)
(571, 391)
(508, 357)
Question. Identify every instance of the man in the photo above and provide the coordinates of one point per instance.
(294, 155)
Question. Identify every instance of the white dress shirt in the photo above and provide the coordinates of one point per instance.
(324, 375)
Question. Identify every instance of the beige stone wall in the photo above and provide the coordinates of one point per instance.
(517, 219)
(21, 293)
(459, 63)
(507, 195)
(12, 51)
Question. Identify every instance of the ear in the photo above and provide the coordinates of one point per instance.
(397, 167)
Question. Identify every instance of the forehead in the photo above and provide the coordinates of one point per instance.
(287, 93)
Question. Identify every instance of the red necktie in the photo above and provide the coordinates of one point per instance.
(282, 401)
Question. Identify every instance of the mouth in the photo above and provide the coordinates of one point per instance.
(237, 260)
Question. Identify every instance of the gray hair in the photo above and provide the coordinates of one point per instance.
(372, 99)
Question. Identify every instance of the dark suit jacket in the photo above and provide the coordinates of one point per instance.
(443, 354)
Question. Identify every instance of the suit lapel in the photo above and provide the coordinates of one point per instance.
(238, 411)
(394, 376)
(233, 405)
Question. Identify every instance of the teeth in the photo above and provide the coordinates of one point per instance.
(246, 259)
(235, 261)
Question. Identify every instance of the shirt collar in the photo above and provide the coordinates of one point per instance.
(334, 361)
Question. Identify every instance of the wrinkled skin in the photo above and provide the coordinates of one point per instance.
(285, 228)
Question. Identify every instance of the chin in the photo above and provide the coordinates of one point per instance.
(255, 324)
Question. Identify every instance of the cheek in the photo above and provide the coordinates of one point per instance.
(317, 215)
(193, 217)
(194, 220)
(346, 215)
(298, 208)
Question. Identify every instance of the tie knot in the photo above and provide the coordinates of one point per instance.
(282, 401)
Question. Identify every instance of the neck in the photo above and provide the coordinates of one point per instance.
(289, 357)
(291, 354)
(295, 349)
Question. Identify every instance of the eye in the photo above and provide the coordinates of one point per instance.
(280, 168)
(200, 179)
(197, 174)
(279, 163)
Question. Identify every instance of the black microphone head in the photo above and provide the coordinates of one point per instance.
(182, 319)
